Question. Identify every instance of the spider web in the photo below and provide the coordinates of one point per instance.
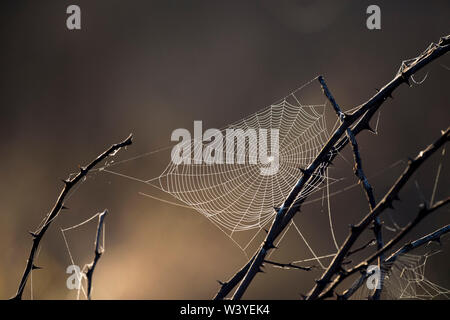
(82, 276)
(406, 280)
(237, 199)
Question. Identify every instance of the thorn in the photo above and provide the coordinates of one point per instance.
(129, 140)
(302, 296)
(271, 246)
(396, 197)
(33, 267)
(437, 240)
(266, 231)
(408, 245)
(406, 80)
(320, 282)
(390, 95)
(353, 228)
(261, 270)
(304, 171)
(34, 235)
(64, 208)
(66, 181)
(328, 294)
(221, 283)
(377, 90)
(276, 208)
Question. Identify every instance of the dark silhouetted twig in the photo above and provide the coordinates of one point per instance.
(288, 265)
(97, 253)
(366, 245)
(59, 205)
(359, 172)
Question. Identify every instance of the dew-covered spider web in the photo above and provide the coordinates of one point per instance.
(238, 199)
(407, 279)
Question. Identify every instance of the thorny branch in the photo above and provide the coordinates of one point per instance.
(388, 262)
(434, 236)
(288, 265)
(58, 206)
(97, 253)
(356, 230)
(335, 143)
(359, 172)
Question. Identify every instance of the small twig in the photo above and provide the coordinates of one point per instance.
(59, 205)
(97, 253)
(368, 244)
(289, 265)
(359, 172)
(385, 203)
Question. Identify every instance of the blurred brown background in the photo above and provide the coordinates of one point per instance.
(149, 67)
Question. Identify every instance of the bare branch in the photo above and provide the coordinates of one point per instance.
(97, 253)
(292, 203)
(359, 172)
(59, 205)
(289, 265)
